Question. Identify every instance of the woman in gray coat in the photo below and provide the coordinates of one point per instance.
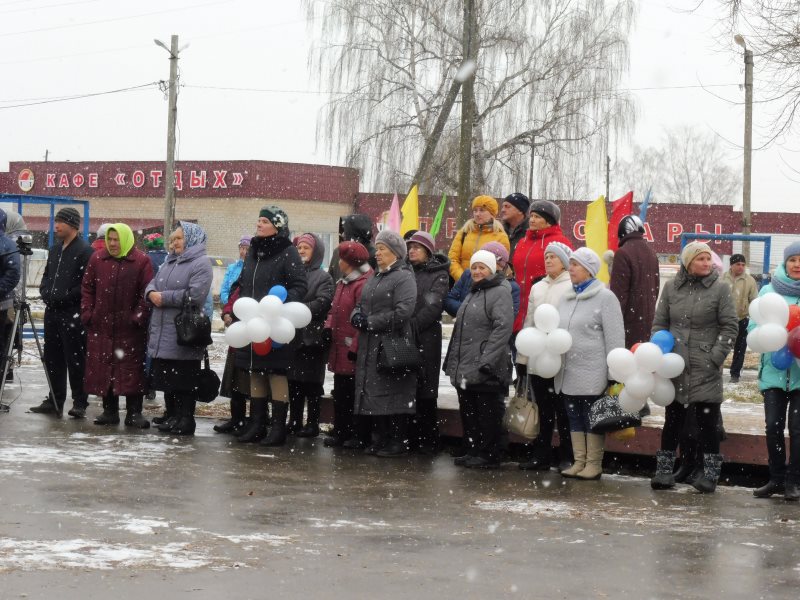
(478, 361)
(698, 310)
(386, 306)
(591, 313)
(175, 369)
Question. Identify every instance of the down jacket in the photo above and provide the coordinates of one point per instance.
(388, 300)
(462, 289)
(700, 313)
(469, 239)
(480, 338)
(344, 337)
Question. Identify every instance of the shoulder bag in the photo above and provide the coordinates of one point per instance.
(208, 383)
(193, 328)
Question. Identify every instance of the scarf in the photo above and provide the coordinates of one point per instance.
(785, 285)
(582, 286)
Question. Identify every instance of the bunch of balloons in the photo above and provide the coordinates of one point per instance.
(545, 343)
(646, 370)
(777, 329)
(266, 324)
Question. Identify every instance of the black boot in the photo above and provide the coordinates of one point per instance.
(174, 415)
(665, 463)
(277, 433)
(297, 400)
(238, 410)
(791, 492)
(312, 424)
(712, 467)
(257, 428)
(110, 414)
(398, 440)
(48, 408)
(381, 428)
(169, 409)
(769, 490)
(133, 416)
(186, 423)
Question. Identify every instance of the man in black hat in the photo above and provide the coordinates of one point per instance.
(514, 216)
(64, 336)
(744, 290)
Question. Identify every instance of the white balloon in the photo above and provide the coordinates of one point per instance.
(546, 317)
(753, 341)
(245, 308)
(258, 330)
(629, 403)
(671, 366)
(622, 362)
(772, 337)
(640, 385)
(773, 309)
(559, 341)
(298, 313)
(755, 312)
(282, 330)
(547, 365)
(236, 335)
(648, 357)
(270, 307)
(663, 393)
(531, 341)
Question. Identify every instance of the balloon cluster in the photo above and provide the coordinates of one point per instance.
(777, 329)
(646, 370)
(266, 324)
(545, 343)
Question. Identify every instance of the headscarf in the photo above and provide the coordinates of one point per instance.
(192, 234)
(126, 239)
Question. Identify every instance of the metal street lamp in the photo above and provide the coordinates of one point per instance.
(748, 141)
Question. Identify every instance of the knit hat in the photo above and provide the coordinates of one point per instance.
(588, 259)
(561, 250)
(70, 216)
(485, 257)
(499, 251)
(276, 216)
(549, 211)
(792, 249)
(737, 258)
(519, 201)
(394, 241)
(692, 251)
(487, 203)
(306, 238)
(101, 231)
(423, 238)
(245, 240)
(153, 241)
(353, 253)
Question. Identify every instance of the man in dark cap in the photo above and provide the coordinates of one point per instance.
(514, 216)
(64, 336)
(744, 291)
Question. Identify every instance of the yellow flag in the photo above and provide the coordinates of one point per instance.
(410, 212)
(596, 230)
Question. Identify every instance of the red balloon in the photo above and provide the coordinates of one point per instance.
(635, 346)
(794, 317)
(794, 342)
(263, 348)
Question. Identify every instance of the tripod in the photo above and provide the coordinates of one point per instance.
(23, 315)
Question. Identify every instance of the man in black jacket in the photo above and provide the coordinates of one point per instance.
(64, 336)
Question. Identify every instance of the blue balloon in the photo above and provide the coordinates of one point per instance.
(782, 359)
(279, 291)
(276, 345)
(664, 340)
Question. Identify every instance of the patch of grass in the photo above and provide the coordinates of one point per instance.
(744, 391)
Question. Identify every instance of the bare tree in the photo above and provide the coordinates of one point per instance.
(546, 79)
(688, 167)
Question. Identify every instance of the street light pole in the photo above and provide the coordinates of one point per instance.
(748, 143)
(172, 116)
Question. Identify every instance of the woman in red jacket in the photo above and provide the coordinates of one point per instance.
(543, 228)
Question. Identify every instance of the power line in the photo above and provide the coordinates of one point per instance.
(81, 96)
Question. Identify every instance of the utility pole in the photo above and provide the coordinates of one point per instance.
(470, 46)
(748, 144)
(608, 177)
(172, 116)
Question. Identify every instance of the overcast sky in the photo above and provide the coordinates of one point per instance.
(75, 47)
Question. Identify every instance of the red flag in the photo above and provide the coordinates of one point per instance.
(619, 209)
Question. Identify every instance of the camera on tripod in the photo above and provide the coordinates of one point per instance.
(25, 244)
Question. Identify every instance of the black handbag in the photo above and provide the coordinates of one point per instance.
(606, 415)
(398, 352)
(208, 383)
(192, 326)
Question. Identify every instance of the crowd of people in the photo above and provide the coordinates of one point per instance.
(376, 323)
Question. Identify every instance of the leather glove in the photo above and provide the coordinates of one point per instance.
(486, 369)
(359, 321)
(352, 356)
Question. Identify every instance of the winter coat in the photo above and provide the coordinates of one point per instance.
(529, 263)
(433, 281)
(388, 301)
(15, 227)
(231, 275)
(635, 283)
(271, 261)
(188, 274)
(344, 337)
(594, 320)
(157, 258)
(9, 266)
(115, 314)
(700, 313)
(545, 291)
(60, 288)
(462, 288)
(480, 338)
(744, 290)
(469, 239)
(514, 236)
(353, 228)
(309, 359)
(769, 377)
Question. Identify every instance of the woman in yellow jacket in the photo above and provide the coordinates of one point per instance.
(479, 230)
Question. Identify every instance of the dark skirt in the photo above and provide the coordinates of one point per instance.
(172, 375)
